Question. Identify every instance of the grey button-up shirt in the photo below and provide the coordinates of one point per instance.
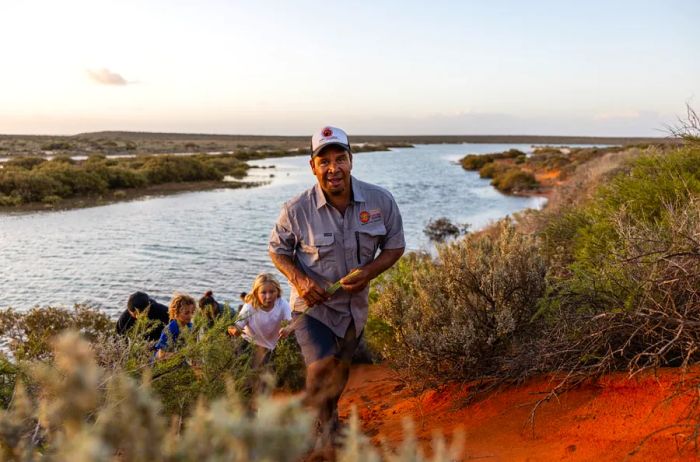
(326, 245)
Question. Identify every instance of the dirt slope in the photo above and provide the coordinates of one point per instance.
(602, 422)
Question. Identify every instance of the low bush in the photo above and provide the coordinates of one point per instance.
(478, 161)
(29, 334)
(442, 228)
(26, 180)
(514, 180)
(207, 357)
(25, 162)
(634, 303)
(57, 146)
(79, 410)
(288, 365)
(623, 292)
(171, 169)
(492, 169)
(467, 314)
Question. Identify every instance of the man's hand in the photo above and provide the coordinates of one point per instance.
(357, 282)
(308, 290)
(312, 293)
(360, 277)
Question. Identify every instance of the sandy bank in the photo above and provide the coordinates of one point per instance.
(605, 421)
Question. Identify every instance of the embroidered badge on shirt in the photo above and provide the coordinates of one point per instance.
(372, 216)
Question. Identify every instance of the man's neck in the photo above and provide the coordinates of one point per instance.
(341, 201)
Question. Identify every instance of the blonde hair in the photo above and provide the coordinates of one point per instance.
(178, 302)
(262, 278)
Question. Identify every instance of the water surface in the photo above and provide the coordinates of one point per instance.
(217, 239)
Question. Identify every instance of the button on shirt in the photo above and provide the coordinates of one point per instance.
(326, 245)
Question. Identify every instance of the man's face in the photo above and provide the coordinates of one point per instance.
(332, 170)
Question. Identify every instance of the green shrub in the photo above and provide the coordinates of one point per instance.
(288, 365)
(514, 180)
(378, 336)
(489, 170)
(29, 186)
(467, 314)
(442, 228)
(25, 162)
(9, 373)
(78, 410)
(628, 269)
(29, 334)
(10, 201)
(57, 146)
(166, 169)
(478, 161)
(51, 200)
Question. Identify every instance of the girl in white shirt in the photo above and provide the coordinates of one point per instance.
(260, 319)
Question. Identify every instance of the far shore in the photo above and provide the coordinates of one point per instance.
(134, 144)
(126, 195)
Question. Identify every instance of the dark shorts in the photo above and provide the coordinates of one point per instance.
(317, 341)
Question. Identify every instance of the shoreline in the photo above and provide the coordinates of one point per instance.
(128, 195)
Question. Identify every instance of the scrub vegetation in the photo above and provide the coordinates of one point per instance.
(605, 278)
(92, 402)
(25, 180)
(514, 172)
(117, 168)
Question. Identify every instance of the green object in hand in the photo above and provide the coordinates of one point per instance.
(334, 287)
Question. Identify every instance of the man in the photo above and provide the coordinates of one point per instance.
(320, 236)
(138, 304)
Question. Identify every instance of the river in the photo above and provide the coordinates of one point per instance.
(217, 240)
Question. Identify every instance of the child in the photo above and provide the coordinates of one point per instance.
(260, 319)
(181, 311)
(210, 308)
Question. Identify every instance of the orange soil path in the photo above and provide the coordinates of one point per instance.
(602, 422)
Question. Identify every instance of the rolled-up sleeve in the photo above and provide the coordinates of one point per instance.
(282, 238)
(394, 228)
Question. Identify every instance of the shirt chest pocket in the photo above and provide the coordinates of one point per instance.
(368, 239)
(319, 252)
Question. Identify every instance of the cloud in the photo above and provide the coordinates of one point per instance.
(106, 77)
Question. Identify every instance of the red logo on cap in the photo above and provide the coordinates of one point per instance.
(364, 217)
(327, 132)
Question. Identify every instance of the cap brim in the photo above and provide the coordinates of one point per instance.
(321, 148)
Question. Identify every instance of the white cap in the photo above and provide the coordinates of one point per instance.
(327, 136)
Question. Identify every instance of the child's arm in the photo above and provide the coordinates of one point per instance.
(242, 319)
(233, 331)
(286, 318)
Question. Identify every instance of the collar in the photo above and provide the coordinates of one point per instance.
(355, 187)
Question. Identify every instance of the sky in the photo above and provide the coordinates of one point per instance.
(605, 68)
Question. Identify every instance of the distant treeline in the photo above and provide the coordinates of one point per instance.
(115, 142)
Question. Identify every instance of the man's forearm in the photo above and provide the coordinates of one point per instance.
(286, 266)
(383, 262)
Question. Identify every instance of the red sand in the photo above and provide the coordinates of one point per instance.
(602, 422)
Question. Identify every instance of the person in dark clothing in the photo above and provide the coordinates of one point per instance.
(138, 303)
(210, 308)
